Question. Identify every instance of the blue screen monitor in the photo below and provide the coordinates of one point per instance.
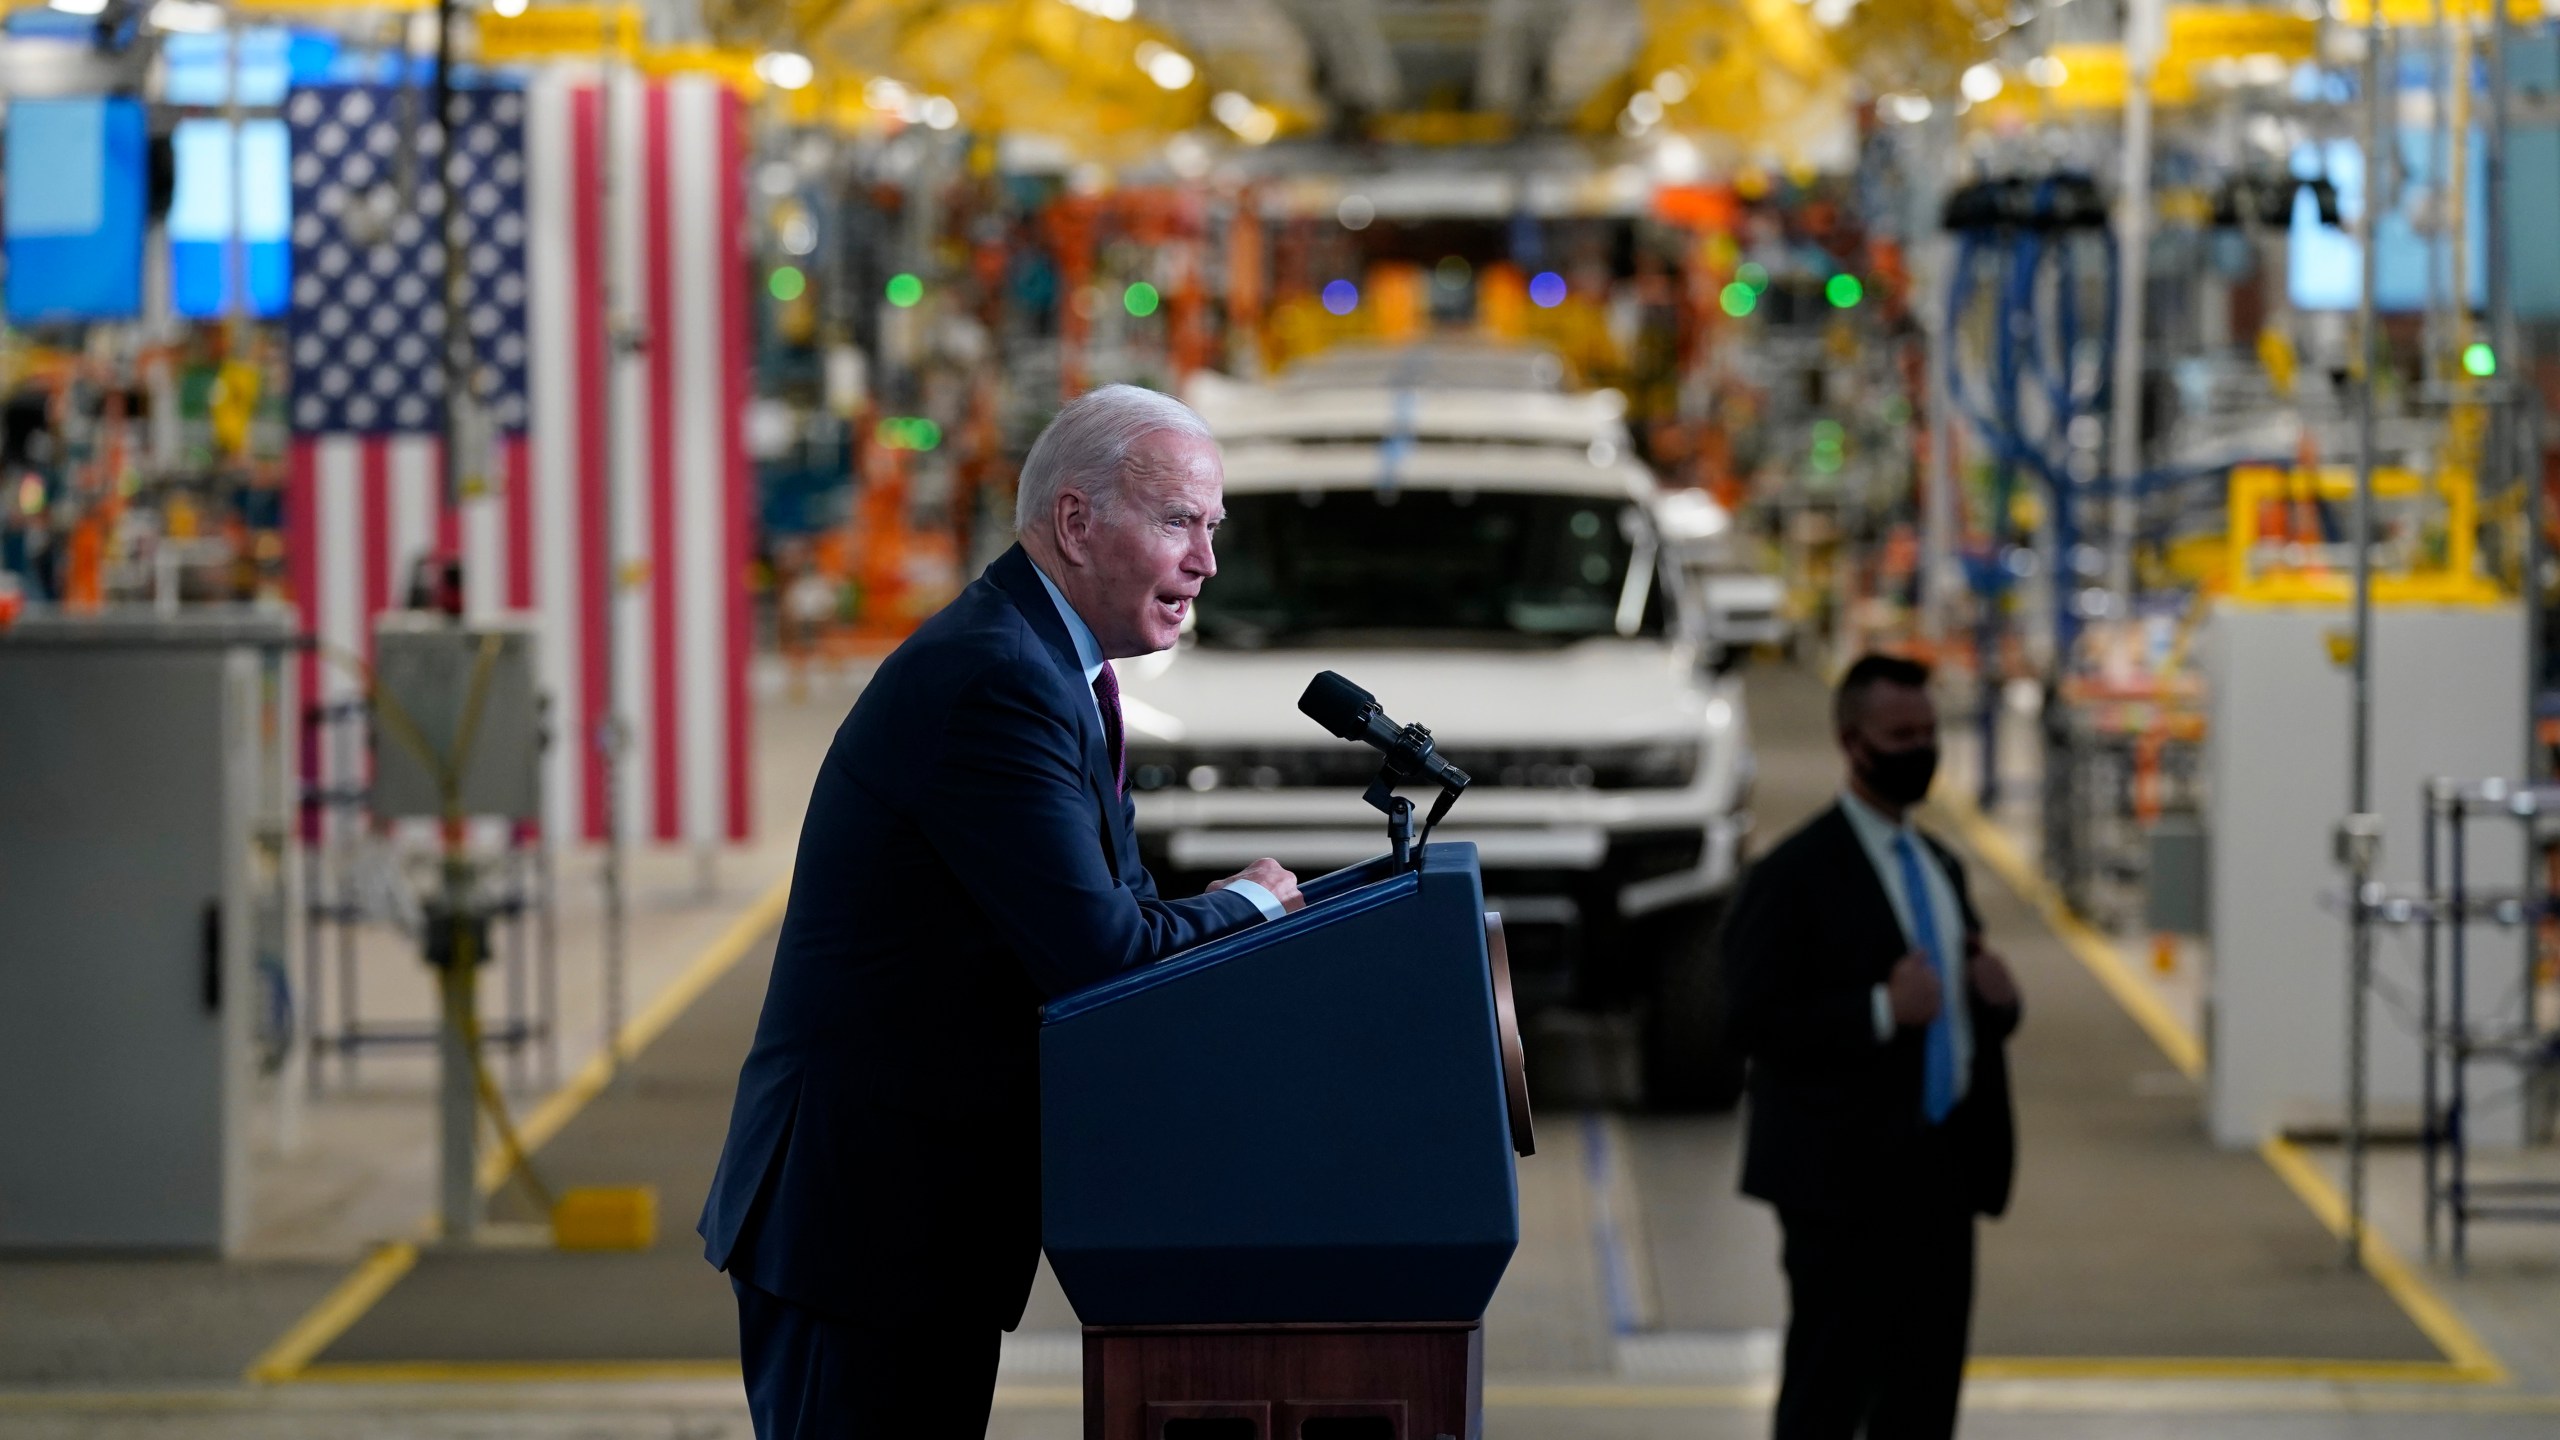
(74, 221)
(215, 175)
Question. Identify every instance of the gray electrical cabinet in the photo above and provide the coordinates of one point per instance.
(139, 761)
(2448, 699)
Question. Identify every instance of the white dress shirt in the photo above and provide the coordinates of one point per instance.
(1876, 835)
(1089, 655)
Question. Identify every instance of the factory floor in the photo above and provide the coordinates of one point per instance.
(2144, 1283)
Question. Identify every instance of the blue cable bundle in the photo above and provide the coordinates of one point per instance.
(2032, 237)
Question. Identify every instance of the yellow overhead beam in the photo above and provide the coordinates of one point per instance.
(2202, 39)
(1036, 66)
(1760, 72)
(1920, 46)
(555, 32)
(2424, 12)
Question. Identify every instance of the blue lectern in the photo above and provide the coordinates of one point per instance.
(1279, 1166)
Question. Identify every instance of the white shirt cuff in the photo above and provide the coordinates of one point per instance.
(1884, 1016)
(1269, 904)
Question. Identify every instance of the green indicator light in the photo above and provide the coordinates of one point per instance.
(908, 432)
(786, 283)
(1843, 291)
(1828, 432)
(1738, 299)
(1141, 299)
(905, 290)
(1826, 462)
(2479, 360)
(1753, 274)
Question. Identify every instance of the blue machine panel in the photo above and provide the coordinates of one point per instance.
(1305, 1121)
(74, 223)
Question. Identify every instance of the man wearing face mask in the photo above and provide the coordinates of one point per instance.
(1880, 1123)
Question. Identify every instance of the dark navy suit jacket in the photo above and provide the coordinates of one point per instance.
(967, 855)
(1835, 1121)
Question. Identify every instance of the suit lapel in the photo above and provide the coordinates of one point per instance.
(1863, 899)
(1014, 574)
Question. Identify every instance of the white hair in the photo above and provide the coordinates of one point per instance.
(1088, 445)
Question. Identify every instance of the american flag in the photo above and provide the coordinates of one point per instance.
(575, 189)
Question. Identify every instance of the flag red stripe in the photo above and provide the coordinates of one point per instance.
(665, 728)
(517, 457)
(734, 280)
(302, 530)
(586, 240)
(448, 509)
(376, 489)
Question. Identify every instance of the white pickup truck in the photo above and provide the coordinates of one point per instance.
(1489, 563)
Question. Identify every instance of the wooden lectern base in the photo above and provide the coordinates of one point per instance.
(1284, 1382)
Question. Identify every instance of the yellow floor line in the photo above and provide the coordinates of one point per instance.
(2093, 950)
(2190, 1368)
(2426, 1308)
(1601, 1395)
(2025, 1395)
(716, 960)
(340, 1308)
(290, 1357)
(2468, 1360)
(511, 1372)
(2029, 1397)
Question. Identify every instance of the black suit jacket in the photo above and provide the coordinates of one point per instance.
(1835, 1122)
(967, 854)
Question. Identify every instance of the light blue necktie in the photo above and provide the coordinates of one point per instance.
(1938, 1068)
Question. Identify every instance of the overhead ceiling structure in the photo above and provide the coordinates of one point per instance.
(1114, 79)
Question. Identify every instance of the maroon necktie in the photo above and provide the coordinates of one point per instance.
(1106, 690)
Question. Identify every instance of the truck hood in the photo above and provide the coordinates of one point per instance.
(1596, 691)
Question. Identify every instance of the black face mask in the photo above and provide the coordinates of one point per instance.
(1901, 777)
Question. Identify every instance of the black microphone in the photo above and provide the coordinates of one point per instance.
(1354, 714)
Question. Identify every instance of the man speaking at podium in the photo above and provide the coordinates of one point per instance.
(969, 851)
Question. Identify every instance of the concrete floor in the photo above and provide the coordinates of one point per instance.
(1675, 1336)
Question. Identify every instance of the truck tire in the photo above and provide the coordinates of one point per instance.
(1689, 1064)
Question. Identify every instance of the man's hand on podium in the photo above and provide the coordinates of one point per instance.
(1266, 872)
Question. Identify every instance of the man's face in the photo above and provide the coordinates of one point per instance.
(1894, 718)
(1893, 746)
(1137, 572)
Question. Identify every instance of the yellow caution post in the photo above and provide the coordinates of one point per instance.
(606, 1217)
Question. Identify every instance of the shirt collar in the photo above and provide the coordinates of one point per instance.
(1870, 822)
(1088, 649)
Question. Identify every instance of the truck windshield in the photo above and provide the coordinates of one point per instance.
(1331, 567)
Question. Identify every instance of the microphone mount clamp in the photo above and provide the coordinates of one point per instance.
(1406, 763)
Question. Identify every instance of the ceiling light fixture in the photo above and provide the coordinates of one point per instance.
(1169, 68)
(1252, 124)
(186, 17)
(786, 69)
